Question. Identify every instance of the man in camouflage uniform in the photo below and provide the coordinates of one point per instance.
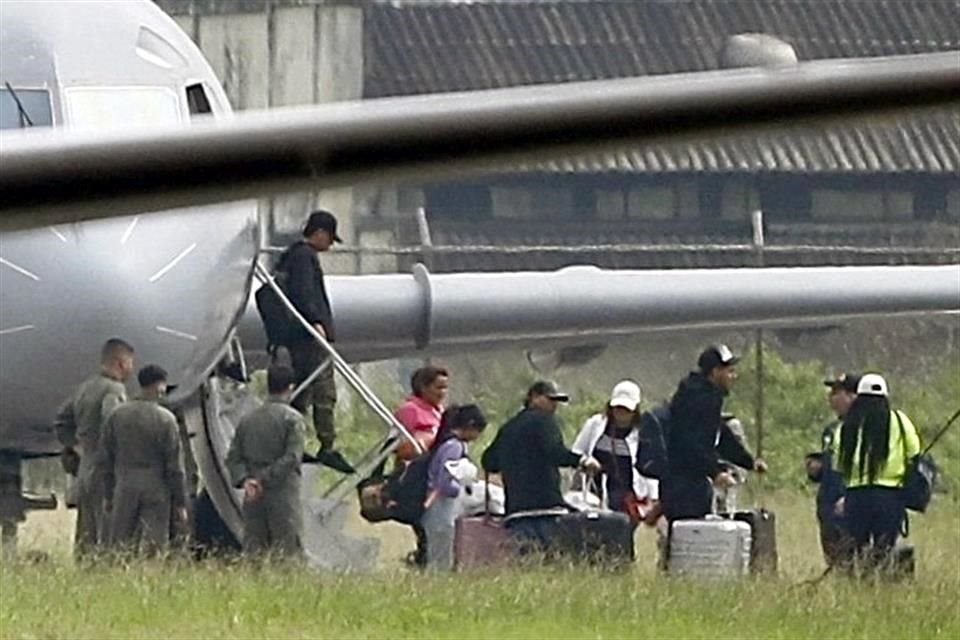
(142, 467)
(78, 425)
(264, 459)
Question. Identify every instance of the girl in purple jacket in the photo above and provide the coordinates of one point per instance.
(458, 426)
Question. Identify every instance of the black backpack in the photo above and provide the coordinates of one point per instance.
(278, 323)
(654, 432)
(920, 477)
(406, 489)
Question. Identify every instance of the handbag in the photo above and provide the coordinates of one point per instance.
(374, 506)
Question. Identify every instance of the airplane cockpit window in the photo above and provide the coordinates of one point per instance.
(22, 108)
(101, 108)
(197, 100)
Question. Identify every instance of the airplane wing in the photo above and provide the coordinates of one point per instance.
(453, 312)
(58, 177)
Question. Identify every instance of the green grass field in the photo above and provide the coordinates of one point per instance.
(53, 599)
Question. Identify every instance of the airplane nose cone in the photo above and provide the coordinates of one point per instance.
(172, 284)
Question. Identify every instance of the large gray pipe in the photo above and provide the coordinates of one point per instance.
(382, 316)
(284, 150)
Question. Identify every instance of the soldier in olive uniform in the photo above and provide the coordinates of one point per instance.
(78, 427)
(264, 459)
(142, 468)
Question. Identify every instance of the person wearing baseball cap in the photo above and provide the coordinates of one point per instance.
(699, 438)
(528, 452)
(613, 438)
(834, 538)
(874, 447)
(304, 284)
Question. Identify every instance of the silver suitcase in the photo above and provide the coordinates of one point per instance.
(715, 547)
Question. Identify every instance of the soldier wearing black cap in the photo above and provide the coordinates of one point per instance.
(527, 452)
(699, 438)
(143, 468)
(305, 287)
(834, 539)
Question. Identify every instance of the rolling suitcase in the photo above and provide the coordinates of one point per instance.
(764, 557)
(596, 534)
(763, 539)
(716, 548)
(601, 537)
(481, 541)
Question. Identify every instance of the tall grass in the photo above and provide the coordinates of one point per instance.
(179, 599)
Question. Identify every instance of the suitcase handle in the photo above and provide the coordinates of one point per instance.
(604, 497)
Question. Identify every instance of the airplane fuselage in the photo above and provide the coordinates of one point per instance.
(173, 285)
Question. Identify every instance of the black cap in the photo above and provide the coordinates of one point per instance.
(322, 219)
(845, 381)
(716, 356)
(151, 375)
(548, 388)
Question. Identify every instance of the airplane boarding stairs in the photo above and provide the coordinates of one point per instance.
(212, 416)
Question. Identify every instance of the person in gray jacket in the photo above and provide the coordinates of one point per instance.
(264, 459)
(78, 426)
(142, 467)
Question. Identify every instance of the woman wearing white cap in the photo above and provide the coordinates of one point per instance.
(872, 451)
(613, 438)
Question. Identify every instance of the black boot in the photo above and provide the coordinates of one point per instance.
(330, 457)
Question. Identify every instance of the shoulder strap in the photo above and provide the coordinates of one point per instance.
(903, 435)
(656, 419)
(903, 447)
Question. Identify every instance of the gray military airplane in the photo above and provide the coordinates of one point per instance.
(125, 221)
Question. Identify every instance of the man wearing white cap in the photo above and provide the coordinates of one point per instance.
(613, 438)
(872, 453)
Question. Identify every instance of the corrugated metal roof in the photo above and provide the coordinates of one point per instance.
(433, 47)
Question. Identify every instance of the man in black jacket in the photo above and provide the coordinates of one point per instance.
(305, 287)
(528, 452)
(699, 438)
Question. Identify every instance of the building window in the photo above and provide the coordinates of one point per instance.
(652, 203)
(861, 205)
(457, 200)
(738, 200)
(953, 204)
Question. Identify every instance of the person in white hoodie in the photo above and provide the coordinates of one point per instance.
(613, 438)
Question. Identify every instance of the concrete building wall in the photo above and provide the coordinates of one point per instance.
(274, 55)
(239, 52)
(293, 41)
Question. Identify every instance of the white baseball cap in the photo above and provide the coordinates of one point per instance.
(872, 384)
(626, 394)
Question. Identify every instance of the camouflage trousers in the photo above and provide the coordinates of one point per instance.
(321, 394)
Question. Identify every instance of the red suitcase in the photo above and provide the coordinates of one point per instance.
(480, 541)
